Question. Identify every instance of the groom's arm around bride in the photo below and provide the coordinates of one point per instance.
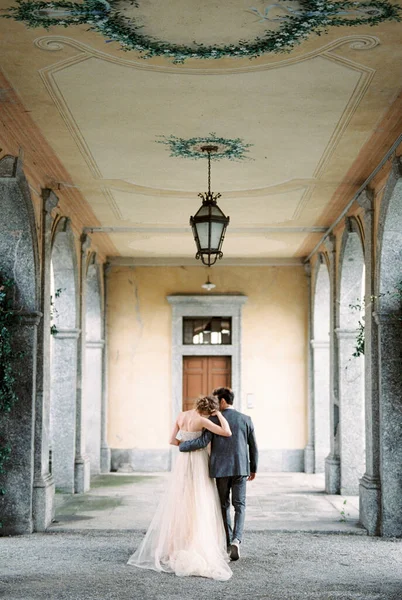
(233, 460)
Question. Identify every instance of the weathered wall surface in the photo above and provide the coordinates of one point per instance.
(273, 362)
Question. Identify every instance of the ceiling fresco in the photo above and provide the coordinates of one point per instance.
(204, 29)
(289, 120)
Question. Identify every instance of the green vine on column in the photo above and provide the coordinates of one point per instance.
(8, 395)
(54, 312)
(360, 306)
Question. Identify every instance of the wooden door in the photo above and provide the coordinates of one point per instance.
(202, 374)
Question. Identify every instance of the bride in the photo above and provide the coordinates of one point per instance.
(186, 535)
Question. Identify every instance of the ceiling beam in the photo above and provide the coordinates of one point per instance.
(240, 230)
(129, 261)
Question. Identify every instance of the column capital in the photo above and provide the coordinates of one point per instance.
(307, 269)
(28, 318)
(62, 334)
(50, 200)
(384, 318)
(330, 244)
(345, 334)
(319, 344)
(366, 200)
(85, 243)
(107, 267)
(95, 343)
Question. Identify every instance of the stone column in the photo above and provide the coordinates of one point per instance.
(309, 451)
(43, 488)
(332, 462)
(351, 418)
(93, 401)
(18, 429)
(106, 455)
(64, 387)
(370, 487)
(82, 465)
(320, 349)
(390, 386)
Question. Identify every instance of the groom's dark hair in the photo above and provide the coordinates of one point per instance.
(224, 394)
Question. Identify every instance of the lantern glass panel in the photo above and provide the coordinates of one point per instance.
(202, 231)
(203, 211)
(216, 233)
(216, 211)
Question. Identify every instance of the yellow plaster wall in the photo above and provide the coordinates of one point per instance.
(273, 350)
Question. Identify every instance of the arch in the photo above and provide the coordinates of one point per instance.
(19, 261)
(93, 382)
(63, 372)
(388, 317)
(321, 362)
(351, 431)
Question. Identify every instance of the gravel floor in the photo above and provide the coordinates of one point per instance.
(274, 566)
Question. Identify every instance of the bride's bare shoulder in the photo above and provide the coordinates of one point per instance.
(184, 416)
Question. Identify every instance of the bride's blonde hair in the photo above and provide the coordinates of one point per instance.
(207, 405)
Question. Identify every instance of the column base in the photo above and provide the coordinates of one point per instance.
(105, 459)
(332, 474)
(82, 475)
(9, 528)
(309, 459)
(43, 502)
(370, 504)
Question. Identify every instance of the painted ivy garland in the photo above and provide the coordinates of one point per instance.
(314, 16)
(232, 149)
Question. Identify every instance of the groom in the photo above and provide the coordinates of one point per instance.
(233, 462)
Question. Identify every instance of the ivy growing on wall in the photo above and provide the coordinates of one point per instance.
(53, 311)
(360, 306)
(8, 395)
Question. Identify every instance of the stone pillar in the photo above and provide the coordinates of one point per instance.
(332, 462)
(106, 455)
(351, 417)
(82, 464)
(18, 427)
(390, 386)
(370, 487)
(309, 451)
(320, 349)
(63, 415)
(93, 401)
(43, 488)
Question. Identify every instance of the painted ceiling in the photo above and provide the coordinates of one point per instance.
(291, 124)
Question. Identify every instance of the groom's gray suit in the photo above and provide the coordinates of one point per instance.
(231, 462)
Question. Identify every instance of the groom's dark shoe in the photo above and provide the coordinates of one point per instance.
(235, 550)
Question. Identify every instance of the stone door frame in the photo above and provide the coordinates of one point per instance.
(226, 305)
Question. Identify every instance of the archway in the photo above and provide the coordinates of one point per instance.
(388, 316)
(351, 431)
(63, 392)
(94, 345)
(19, 263)
(320, 347)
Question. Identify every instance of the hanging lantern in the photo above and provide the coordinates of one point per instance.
(209, 223)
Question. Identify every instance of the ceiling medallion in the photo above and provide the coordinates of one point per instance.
(295, 23)
(232, 149)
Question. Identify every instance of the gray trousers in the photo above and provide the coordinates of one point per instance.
(236, 485)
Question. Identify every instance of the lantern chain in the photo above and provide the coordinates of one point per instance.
(209, 172)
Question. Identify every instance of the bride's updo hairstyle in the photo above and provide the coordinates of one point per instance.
(207, 405)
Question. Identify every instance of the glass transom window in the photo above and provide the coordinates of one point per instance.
(207, 330)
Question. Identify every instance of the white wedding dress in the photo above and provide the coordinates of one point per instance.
(186, 535)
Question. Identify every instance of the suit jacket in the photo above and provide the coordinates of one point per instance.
(230, 456)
